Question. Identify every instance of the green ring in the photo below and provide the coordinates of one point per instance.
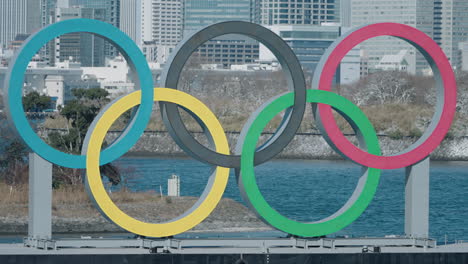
(249, 187)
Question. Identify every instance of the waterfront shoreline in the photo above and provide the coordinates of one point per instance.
(302, 147)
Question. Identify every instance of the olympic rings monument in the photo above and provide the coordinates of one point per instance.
(305, 237)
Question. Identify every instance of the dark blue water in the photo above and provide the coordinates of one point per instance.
(312, 190)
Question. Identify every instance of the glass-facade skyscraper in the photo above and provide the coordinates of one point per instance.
(112, 8)
(85, 48)
(200, 13)
(299, 12)
(112, 15)
(225, 50)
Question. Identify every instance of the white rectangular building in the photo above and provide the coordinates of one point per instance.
(173, 186)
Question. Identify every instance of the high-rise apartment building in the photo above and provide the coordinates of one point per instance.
(155, 25)
(299, 12)
(18, 17)
(136, 19)
(167, 21)
(415, 13)
(308, 42)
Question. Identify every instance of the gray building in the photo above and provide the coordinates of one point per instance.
(112, 8)
(299, 12)
(200, 13)
(18, 17)
(345, 13)
(47, 17)
(229, 50)
(136, 20)
(168, 21)
(225, 50)
(47, 11)
(415, 13)
(130, 19)
(85, 48)
(112, 16)
(309, 43)
(453, 28)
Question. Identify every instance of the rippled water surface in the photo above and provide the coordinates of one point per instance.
(312, 190)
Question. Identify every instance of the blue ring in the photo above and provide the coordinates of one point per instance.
(14, 82)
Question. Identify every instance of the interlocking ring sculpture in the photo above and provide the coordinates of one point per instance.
(247, 155)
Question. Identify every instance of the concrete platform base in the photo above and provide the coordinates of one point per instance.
(362, 258)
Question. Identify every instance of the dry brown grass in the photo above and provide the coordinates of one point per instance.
(403, 117)
(71, 195)
(72, 210)
(13, 194)
(386, 119)
(57, 122)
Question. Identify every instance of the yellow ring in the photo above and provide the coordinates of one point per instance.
(200, 210)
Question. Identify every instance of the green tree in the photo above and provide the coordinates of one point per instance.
(13, 169)
(80, 113)
(34, 102)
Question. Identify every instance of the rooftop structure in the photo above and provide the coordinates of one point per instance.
(395, 62)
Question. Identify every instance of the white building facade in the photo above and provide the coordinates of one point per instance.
(136, 20)
(167, 22)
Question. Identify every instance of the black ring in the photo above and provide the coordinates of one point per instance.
(294, 76)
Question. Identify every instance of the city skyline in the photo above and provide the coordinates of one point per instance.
(157, 26)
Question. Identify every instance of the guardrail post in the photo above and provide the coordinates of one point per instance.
(417, 200)
(40, 198)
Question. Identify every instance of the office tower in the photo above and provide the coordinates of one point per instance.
(85, 48)
(255, 11)
(200, 13)
(415, 13)
(136, 19)
(167, 21)
(453, 28)
(228, 49)
(155, 25)
(345, 13)
(112, 16)
(18, 17)
(112, 8)
(308, 43)
(47, 16)
(130, 19)
(299, 12)
(47, 9)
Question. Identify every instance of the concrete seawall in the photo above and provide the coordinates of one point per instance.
(303, 146)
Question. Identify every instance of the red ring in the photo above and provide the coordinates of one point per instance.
(418, 152)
